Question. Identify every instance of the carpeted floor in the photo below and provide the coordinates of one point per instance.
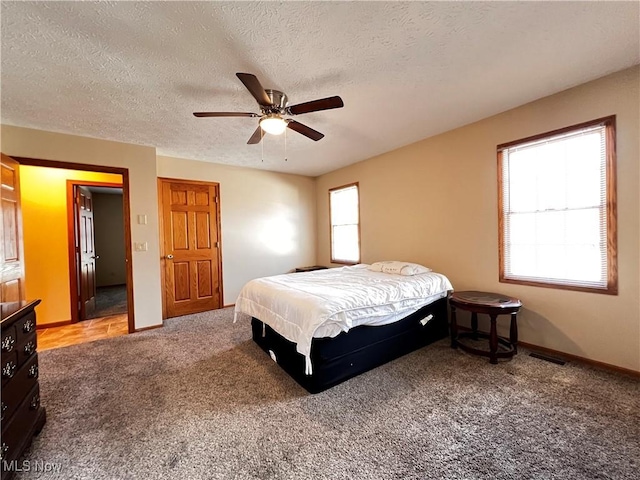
(110, 301)
(198, 400)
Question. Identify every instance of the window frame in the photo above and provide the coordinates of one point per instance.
(611, 207)
(333, 260)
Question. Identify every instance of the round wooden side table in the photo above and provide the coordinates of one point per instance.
(492, 304)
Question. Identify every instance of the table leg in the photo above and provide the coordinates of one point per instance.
(454, 328)
(474, 325)
(513, 334)
(493, 341)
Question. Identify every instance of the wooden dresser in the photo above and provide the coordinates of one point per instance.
(22, 415)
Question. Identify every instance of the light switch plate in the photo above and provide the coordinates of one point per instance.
(142, 219)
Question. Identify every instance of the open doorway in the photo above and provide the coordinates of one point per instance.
(111, 263)
(97, 294)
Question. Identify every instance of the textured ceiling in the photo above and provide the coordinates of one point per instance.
(135, 71)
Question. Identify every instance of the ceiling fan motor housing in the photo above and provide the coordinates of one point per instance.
(279, 102)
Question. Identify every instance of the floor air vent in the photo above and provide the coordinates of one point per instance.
(548, 358)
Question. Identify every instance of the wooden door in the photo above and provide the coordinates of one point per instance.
(191, 247)
(86, 255)
(11, 251)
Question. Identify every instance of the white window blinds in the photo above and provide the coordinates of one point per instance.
(345, 229)
(554, 209)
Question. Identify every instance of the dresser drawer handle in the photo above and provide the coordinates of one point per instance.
(4, 451)
(28, 326)
(30, 347)
(35, 402)
(7, 343)
(4, 409)
(33, 371)
(8, 369)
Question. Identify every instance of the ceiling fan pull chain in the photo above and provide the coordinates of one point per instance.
(262, 146)
(285, 145)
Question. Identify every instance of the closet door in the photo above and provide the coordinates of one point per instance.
(11, 249)
(191, 246)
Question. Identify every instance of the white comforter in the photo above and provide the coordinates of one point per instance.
(326, 302)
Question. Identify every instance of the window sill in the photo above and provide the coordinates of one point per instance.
(610, 290)
(344, 262)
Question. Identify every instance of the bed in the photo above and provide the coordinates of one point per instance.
(326, 326)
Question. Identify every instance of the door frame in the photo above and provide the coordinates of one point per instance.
(163, 279)
(72, 235)
(36, 162)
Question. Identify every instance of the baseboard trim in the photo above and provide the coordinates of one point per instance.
(230, 305)
(571, 357)
(577, 358)
(42, 326)
(152, 327)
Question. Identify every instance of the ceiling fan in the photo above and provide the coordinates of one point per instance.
(273, 106)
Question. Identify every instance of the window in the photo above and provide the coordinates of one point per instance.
(557, 206)
(344, 209)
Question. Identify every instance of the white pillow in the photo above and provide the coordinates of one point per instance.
(399, 268)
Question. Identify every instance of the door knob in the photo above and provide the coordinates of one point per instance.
(169, 256)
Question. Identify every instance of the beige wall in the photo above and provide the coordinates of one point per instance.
(43, 197)
(435, 202)
(108, 218)
(267, 219)
(141, 163)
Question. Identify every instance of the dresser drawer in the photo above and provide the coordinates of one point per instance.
(26, 325)
(9, 340)
(9, 366)
(13, 433)
(26, 348)
(15, 391)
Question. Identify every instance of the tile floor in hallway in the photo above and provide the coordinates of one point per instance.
(82, 332)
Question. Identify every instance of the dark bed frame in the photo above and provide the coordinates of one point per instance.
(351, 353)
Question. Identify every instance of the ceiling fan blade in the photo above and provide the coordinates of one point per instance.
(304, 130)
(224, 114)
(253, 85)
(256, 137)
(316, 105)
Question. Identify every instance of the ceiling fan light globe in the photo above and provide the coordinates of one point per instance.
(275, 125)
